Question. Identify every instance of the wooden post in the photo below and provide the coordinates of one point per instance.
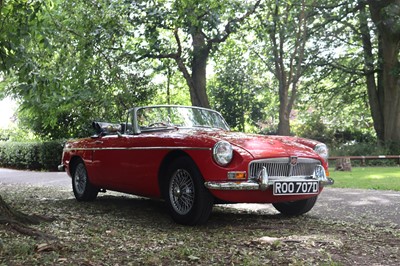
(343, 164)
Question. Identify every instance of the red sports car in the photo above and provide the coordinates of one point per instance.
(189, 157)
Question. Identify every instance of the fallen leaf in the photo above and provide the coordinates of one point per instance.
(44, 247)
(193, 258)
(267, 240)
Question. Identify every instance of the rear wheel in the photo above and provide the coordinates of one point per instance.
(188, 200)
(295, 208)
(83, 189)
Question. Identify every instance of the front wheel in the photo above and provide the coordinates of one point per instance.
(295, 208)
(83, 189)
(188, 200)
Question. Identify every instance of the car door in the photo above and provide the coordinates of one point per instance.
(128, 163)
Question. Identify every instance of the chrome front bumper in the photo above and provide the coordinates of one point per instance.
(263, 181)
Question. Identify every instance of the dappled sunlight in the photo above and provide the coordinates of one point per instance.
(365, 197)
(371, 201)
(378, 176)
(385, 173)
(383, 178)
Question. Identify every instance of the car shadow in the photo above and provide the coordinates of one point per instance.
(147, 212)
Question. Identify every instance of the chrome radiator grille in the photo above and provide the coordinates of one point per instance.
(282, 167)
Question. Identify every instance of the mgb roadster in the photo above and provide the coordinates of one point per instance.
(189, 157)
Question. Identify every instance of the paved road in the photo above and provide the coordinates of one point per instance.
(365, 206)
(53, 179)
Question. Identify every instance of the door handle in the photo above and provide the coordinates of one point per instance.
(98, 142)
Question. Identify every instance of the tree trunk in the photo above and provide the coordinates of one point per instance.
(7, 213)
(18, 221)
(198, 85)
(284, 113)
(389, 76)
(289, 65)
(390, 82)
(375, 92)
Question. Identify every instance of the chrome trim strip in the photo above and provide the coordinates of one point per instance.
(136, 148)
(248, 185)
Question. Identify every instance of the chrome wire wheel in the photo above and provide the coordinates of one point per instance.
(83, 189)
(182, 192)
(188, 200)
(80, 179)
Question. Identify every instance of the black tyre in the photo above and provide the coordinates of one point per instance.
(83, 189)
(295, 208)
(188, 200)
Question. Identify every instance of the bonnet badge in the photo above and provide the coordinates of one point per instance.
(293, 160)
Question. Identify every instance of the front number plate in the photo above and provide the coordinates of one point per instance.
(296, 187)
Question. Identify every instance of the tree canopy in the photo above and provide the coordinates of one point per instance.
(264, 64)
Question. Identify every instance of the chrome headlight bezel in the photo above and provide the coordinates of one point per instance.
(222, 153)
(322, 150)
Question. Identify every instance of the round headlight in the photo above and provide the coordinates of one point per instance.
(322, 150)
(222, 153)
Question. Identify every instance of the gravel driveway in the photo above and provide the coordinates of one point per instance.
(381, 208)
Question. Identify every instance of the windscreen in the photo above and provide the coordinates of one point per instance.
(177, 116)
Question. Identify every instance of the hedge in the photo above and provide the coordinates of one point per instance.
(31, 155)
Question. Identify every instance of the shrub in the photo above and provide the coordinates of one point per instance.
(366, 149)
(31, 155)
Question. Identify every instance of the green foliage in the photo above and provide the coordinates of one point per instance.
(19, 20)
(17, 134)
(361, 149)
(71, 69)
(171, 87)
(345, 140)
(313, 126)
(71, 62)
(367, 149)
(19, 155)
(4, 134)
(31, 155)
(237, 90)
(156, 20)
(315, 129)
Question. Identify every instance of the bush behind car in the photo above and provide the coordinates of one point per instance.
(31, 155)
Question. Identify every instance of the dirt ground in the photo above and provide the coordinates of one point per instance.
(346, 227)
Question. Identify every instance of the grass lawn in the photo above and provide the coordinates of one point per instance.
(383, 178)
